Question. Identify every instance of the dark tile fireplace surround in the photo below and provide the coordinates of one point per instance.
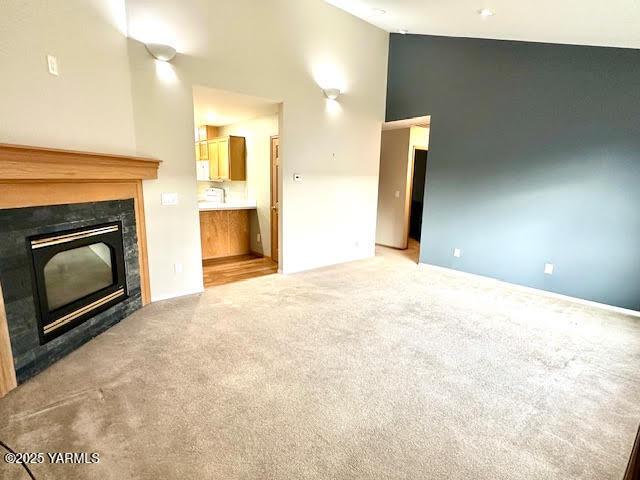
(91, 250)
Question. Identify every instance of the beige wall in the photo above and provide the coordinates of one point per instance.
(88, 106)
(258, 133)
(394, 187)
(275, 50)
(111, 96)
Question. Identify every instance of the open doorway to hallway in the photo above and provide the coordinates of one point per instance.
(402, 183)
(416, 208)
(238, 196)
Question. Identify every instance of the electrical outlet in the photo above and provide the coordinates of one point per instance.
(52, 65)
(397, 193)
(457, 252)
(548, 268)
(259, 238)
(177, 267)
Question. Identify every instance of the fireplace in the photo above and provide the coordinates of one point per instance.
(76, 274)
(68, 273)
(73, 252)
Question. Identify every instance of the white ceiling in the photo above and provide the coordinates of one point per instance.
(613, 23)
(219, 108)
(408, 122)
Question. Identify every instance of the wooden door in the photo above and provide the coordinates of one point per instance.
(214, 169)
(223, 158)
(275, 204)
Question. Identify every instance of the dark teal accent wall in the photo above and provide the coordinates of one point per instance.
(534, 157)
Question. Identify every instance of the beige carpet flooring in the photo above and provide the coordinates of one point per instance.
(377, 369)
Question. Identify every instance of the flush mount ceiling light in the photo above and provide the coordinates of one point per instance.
(485, 13)
(161, 52)
(332, 93)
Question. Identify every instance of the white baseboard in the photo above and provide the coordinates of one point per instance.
(184, 293)
(312, 268)
(538, 291)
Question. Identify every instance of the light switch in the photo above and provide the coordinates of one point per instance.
(548, 268)
(397, 193)
(457, 252)
(169, 199)
(52, 65)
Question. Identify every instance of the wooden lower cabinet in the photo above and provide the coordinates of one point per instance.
(224, 233)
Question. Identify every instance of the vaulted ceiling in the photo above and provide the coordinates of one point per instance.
(219, 108)
(614, 23)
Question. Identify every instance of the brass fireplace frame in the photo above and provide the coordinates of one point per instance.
(53, 322)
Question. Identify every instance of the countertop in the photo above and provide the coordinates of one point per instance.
(235, 205)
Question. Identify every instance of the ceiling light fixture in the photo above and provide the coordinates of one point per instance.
(485, 13)
(162, 52)
(403, 31)
(332, 93)
(379, 11)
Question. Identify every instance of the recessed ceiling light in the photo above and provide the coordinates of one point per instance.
(378, 11)
(403, 31)
(485, 12)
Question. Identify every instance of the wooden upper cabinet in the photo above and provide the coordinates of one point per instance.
(227, 158)
(204, 154)
(214, 169)
(205, 133)
(237, 158)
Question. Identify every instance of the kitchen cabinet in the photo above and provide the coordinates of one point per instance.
(214, 164)
(224, 233)
(227, 158)
(207, 132)
(201, 151)
(203, 134)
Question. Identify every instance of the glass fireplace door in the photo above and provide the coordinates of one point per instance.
(78, 274)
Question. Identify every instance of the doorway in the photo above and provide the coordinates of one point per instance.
(234, 139)
(401, 184)
(416, 205)
(417, 193)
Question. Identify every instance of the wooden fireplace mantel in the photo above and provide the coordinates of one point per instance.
(37, 176)
(19, 162)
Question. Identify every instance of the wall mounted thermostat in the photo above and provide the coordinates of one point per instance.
(169, 199)
(52, 65)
